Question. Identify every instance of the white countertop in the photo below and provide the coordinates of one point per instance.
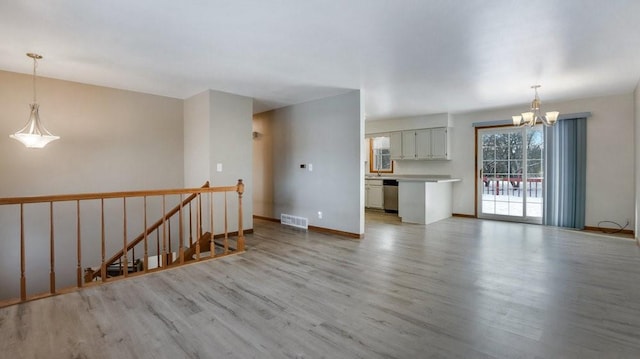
(429, 179)
(414, 178)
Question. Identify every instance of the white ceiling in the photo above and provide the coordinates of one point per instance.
(409, 57)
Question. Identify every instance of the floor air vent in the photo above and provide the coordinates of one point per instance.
(294, 221)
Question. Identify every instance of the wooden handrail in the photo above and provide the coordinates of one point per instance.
(162, 239)
(150, 230)
(108, 195)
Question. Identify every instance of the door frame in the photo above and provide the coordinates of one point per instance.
(478, 179)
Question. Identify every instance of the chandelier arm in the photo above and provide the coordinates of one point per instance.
(544, 120)
(535, 115)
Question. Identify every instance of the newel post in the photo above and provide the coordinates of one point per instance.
(240, 190)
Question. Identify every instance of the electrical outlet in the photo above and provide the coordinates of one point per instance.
(310, 166)
(319, 214)
(219, 167)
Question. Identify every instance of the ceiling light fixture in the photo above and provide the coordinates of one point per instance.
(34, 134)
(532, 117)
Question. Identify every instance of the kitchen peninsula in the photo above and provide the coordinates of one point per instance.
(423, 199)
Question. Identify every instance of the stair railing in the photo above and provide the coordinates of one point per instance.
(125, 255)
(143, 237)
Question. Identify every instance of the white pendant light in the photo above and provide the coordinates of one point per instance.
(532, 117)
(34, 134)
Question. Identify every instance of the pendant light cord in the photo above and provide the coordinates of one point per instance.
(35, 64)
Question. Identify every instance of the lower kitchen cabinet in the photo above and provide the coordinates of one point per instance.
(374, 195)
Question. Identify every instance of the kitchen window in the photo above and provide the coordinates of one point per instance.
(380, 155)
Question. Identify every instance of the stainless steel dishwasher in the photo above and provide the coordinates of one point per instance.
(390, 190)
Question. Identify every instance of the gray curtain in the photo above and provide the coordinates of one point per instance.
(565, 173)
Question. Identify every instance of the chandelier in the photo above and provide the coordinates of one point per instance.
(535, 115)
(34, 134)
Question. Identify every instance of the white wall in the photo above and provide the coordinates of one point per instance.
(610, 155)
(328, 134)
(111, 140)
(218, 131)
(407, 123)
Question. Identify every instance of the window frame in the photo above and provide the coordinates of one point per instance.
(372, 158)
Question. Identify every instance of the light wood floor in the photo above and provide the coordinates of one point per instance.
(459, 288)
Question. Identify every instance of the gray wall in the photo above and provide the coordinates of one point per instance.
(637, 157)
(111, 140)
(328, 134)
(218, 131)
(263, 166)
(197, 154)
(610, 155)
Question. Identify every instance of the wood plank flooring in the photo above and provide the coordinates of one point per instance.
(458, 288)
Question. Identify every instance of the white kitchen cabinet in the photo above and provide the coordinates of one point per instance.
(425, 202)
(395, 148)
(374, 196)
(440, 143)
(408, 145)
(422, 144)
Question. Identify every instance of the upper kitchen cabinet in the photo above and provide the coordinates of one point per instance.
(440, 143)
(396, 145)
(422, 144)
(408, 145)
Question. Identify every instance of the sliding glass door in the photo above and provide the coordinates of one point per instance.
(510, 173)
